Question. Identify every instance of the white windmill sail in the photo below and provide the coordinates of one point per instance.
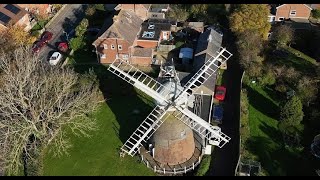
(144, 131)
(162, 94)
(207, 70)
(212, 133)
(140, 80)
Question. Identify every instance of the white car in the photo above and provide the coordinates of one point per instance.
(55, 58)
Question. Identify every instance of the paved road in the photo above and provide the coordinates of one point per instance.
(70, 16)
(224, 160)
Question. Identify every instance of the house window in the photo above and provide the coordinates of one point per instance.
(281, 18)
(293, 12)
(112, 46)
(119, 47)
(105, 46)
(103, 56)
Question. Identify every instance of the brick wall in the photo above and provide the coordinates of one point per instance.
(302, 11)
(147, 44)
(141, 61)
(112, 47)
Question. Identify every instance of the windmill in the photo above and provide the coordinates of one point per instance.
(171, 97)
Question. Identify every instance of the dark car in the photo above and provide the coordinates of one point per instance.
(37, 46)
(46, 36)
(217, 114)
(220, 93)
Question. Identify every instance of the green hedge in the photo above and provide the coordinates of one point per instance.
(204, 166)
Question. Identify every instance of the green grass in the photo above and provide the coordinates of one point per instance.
(296, 59)
(265, 142)
(99, 154)
(220, 78)
(39, 25)
(301, 54)
(179, 43)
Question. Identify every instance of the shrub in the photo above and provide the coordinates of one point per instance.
(204, 166)
(268, 77)
(76, 43)
(244, 116)
(316, 13)
(291, 115)
(90, 10)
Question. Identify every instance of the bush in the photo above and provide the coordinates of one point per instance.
(281, 88)
(82, 27)
(204, 166)
(90, 10)
(316, 13)
(76, 43)
(244, 116)
(99, 7)
(291, 114)
(268, 77)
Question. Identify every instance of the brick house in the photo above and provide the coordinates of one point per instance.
(153, 32)
(289, 11)
(14, 15)
(141, 10)
(42, 9)
(117, 41)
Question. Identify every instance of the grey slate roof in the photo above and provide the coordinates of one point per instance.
(208, 44)
(126, 25)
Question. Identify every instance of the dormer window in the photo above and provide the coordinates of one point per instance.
(119, 47)
(151, 26)
(293, 12)
(105, 46)
(112, 46)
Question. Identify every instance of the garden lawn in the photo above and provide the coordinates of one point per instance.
(99, 154)
(265, 143)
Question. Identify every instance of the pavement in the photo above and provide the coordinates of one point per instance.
(224, 160)
(68, 18)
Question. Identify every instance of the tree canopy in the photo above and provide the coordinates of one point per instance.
(37, 101)
(283, 34)
(253, 17)
(292, 112)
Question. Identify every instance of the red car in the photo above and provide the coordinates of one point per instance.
(46, 36)
(220, 93)
(63, 47)
(37, 46)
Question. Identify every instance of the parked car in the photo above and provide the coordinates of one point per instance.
(46, 36)
(217, 114)
(63, 47)
(55, 58)
(36, 47)
(220, 93)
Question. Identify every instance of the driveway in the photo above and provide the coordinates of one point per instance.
(70, 16)
(224, 160)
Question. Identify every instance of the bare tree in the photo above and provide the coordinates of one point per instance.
(37, 101)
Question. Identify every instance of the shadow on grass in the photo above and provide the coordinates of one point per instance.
(292, 60)
(122, 99)
(263, 104)
(275, 158)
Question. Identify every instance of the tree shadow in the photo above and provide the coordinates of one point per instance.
(263, 104)
(277, 159)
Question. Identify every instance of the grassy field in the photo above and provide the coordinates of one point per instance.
(265, 143)
(99, 155)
